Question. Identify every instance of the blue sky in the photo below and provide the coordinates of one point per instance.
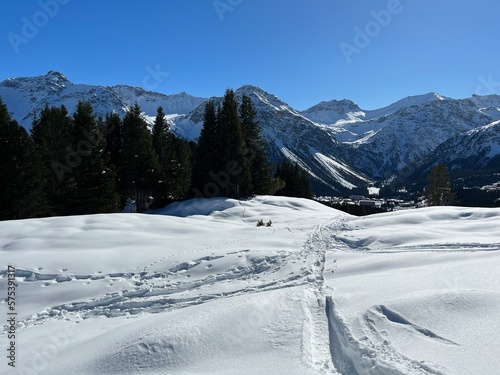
(373, 52)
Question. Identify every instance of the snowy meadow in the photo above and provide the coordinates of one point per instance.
(198, 288)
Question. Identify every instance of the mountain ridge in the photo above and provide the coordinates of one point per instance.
(25, 97)
(341, 145)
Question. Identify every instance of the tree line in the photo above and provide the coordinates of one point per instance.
(84, 164)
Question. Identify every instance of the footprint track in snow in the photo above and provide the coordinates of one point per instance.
(157, 291)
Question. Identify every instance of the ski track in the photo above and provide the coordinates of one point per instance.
(328, 346)
(159, 291)
(153, 292)
(371, 354)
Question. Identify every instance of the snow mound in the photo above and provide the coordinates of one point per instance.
(260, 206)
(207, 291)
(433, 228)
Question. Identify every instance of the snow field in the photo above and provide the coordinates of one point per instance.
(198, 288)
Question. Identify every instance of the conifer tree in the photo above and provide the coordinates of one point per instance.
(232, 148)
(21, 179)
(162, 144)
(255, 150)
(207, 155)
(113, 133)
(180, 168)
(438, 191)
(161, 136)
(52, 135)
(141, 171)
(95, 180)
(296, 180)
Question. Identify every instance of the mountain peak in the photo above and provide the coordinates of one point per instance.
(262, 97)
(251, 89)
(339, 106)
(419, 99)
(55, 76)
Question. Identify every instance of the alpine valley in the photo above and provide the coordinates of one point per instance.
(343, 147)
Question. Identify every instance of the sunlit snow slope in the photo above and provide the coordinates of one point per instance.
(198, 288)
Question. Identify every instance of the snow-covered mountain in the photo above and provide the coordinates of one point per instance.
(480, 146)
(476, 149)
(25, 97)
(341, 145)
(408, 135)
(332, 111)
(392, 138)
(290, 134)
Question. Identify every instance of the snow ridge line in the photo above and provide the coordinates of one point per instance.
(339, 342)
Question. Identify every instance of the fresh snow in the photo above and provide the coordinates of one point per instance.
(418, 291)
(208, 292)
(333, 167)
(25, 97)
(197, 287)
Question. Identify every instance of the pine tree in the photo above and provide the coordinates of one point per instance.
(161, 136)
(52, 135)
(232, 148)
(141, 171)
(113, 133)
(181, 168)
(438, 191)
(305, 184)
(207, 155)
(162, 144)
(95, 181)
(256, 151)
(21, 179)
(296, 180)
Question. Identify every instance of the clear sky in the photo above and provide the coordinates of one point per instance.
(373, 52)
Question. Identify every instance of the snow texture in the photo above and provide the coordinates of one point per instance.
(197, 287)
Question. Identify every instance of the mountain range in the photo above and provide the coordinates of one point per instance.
(342, 146)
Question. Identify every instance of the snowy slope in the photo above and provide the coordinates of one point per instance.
(345, 111)
(198, 288)
(149, 101)
(475, 150)
(481, 143)
(418, 291)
